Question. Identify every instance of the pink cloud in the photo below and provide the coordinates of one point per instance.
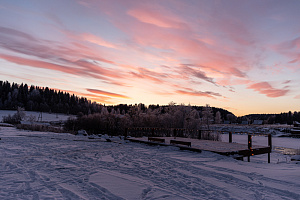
(195, 72)
(95, 68)
(38, 64)
(293, 61)
(267, 89)
(143, 73)
(93, 97)
(183, 44)
(199, 93)
(289, 49)
(73, 58)
(293, 44)
(297, 97)
(21, 42)
(110, 94)
(229, 81)
(237, 72)
(15, 33)
(158, 17)
(85, 71)
(97, 40)
(222, 46)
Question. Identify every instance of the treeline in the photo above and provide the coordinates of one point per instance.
(171, 116)
(43, 99)
(282, 118)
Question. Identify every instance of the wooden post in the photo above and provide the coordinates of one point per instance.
(152, 132)
(270, 146)
(230, 137)
(249, 146)
(174, 133)
(126, 132)
(199, 135)
(270, 141)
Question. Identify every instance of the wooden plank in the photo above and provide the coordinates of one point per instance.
(190, 149)
(252, 152)
(161, 140)
(146, 141)
(180, 142)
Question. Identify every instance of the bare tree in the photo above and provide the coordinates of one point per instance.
(207, 115)
(218, 118)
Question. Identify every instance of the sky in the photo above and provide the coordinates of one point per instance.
(243, 56)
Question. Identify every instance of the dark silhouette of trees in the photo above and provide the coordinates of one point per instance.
(282, 118)
(42, 99)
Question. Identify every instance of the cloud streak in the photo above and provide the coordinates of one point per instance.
(97, 40)
(110, 94)
(63, 59)
(266, 89)
(199, 93)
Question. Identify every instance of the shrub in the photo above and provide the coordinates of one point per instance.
(38, 127)
(15, 119)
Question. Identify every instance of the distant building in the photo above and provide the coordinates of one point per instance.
(245, 122)
(258, 122)
(226, 122)
(296, 129)
(296, 124)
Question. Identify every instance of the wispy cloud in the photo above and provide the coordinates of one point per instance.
(199, 93)
(110, 94)
(79, 60)
(143, 73)
(159, 17)
(91, 96)
(9, 32)
(266, 89)
(195, 72)
(290, 49)
(97, 40)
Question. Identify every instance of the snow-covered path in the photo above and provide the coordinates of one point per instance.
(37, 165)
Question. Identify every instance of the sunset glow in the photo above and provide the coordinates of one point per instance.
(243, 56)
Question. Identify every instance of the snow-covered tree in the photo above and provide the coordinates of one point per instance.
(218, 118)
(104, 111)
(207, 115)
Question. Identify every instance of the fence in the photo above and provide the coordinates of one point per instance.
(172, 132)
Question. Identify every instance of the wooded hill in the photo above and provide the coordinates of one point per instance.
(44, 99)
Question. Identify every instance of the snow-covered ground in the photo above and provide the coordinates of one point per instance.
(41, 165)
(46, 117)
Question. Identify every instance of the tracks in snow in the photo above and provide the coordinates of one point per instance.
(40, 167)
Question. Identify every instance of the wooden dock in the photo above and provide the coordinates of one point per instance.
(224, 148)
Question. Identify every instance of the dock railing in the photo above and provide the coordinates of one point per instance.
(172, 132)
(203, 134)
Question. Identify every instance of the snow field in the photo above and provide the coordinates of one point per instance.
(46, 117)
(40, 165)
